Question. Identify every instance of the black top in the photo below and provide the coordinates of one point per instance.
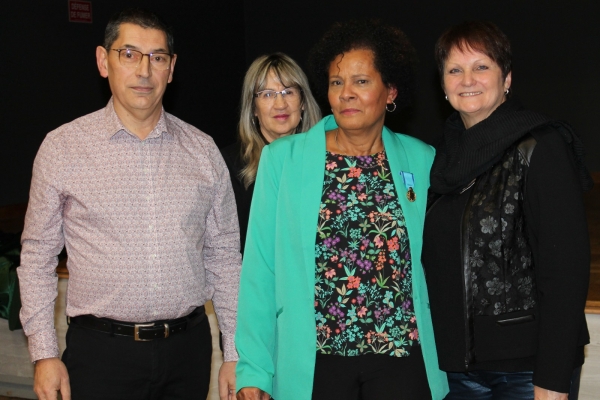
(557, 231)
(243, 196)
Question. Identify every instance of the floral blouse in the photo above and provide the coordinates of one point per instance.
(363, 290)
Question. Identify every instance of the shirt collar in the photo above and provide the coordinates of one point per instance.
(114, 124)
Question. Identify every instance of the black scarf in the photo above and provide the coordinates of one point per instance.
(464, 154)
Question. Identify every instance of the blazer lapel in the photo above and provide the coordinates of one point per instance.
(399, 162)
(311, 168)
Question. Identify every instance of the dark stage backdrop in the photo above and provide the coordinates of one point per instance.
(48, 74)
(556, 56)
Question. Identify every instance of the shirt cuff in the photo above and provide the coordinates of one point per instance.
(43, 345)
(229, 351)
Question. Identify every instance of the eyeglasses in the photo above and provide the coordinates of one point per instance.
(291, 94)
(132, 58)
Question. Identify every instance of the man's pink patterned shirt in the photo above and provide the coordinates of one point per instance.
(150, 227)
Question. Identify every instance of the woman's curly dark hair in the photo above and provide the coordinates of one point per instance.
(394, 56)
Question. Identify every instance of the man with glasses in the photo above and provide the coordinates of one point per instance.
(143, 204)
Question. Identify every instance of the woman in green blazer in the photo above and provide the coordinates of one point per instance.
(333, 302)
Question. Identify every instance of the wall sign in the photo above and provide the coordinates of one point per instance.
(80, 11)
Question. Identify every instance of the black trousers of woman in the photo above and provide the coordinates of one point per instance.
(371, 377)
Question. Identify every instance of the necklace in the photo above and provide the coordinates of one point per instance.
(336, 141)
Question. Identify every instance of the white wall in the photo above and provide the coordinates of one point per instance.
(590, 374)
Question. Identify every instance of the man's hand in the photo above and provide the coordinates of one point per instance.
(51, 376)
(252, 393)
(545, 394)
(227, 381)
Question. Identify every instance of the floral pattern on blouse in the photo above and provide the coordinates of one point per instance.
(363, 290)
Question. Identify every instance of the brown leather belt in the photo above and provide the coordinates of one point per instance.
(141, 332)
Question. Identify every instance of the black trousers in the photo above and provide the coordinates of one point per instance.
(105, 367)
(371, 377)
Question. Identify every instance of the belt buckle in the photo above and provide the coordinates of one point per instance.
(136, 332)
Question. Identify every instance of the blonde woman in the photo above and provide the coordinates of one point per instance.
(276, 102)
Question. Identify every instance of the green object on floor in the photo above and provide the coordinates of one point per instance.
(10, 298)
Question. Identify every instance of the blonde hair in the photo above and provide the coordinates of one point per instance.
(289, 73)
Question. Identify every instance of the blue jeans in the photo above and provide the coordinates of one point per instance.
(489, 385)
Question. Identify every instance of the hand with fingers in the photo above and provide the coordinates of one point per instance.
(227, 381)
(51, 377)
(545, 394)
(252, 393)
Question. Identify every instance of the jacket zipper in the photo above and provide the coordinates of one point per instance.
(467, 284)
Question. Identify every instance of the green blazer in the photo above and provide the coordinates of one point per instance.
(276, 335)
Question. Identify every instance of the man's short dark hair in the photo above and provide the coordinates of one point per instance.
(140, 17)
